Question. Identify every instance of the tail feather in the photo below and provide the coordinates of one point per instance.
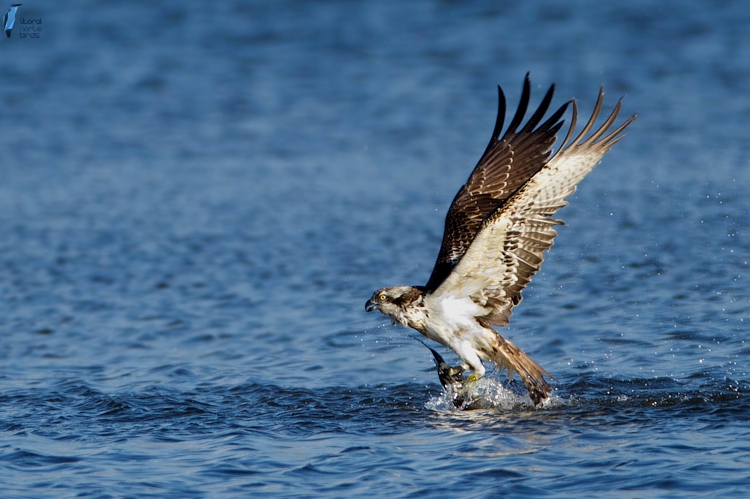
(510, 357)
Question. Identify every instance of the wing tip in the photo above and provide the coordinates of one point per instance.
(600, 137)
(523, 105)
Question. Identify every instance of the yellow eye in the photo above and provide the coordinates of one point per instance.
(382, 297)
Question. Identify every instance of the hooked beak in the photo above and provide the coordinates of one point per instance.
(369, 306)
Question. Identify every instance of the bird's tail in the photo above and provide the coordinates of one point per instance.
(510, 357)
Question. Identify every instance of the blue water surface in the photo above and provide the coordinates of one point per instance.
(197, 198)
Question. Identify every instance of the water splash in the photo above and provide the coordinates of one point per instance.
(486, 393)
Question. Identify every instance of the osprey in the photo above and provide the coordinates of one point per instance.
(496, 231)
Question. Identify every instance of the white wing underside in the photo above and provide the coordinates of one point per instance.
(509, 247)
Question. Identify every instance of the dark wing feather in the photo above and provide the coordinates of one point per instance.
(509, 247)
(506, 165)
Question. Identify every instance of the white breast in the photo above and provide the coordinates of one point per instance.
(450, 316)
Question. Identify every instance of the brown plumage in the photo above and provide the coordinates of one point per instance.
(507, 164)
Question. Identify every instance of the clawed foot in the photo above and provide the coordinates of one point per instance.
(454, 375)
(451, 376)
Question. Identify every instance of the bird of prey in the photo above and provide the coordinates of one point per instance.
(496, 231)
(10, 18)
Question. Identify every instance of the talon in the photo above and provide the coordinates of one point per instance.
(472, 378)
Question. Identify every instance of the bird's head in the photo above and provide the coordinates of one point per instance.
(393, 301)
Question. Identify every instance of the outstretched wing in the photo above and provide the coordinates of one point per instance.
(509, 247)
(506, 165)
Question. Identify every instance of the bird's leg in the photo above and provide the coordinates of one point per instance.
(468, 354)
(478, 372)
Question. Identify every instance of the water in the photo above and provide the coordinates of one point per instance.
(196, 199)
